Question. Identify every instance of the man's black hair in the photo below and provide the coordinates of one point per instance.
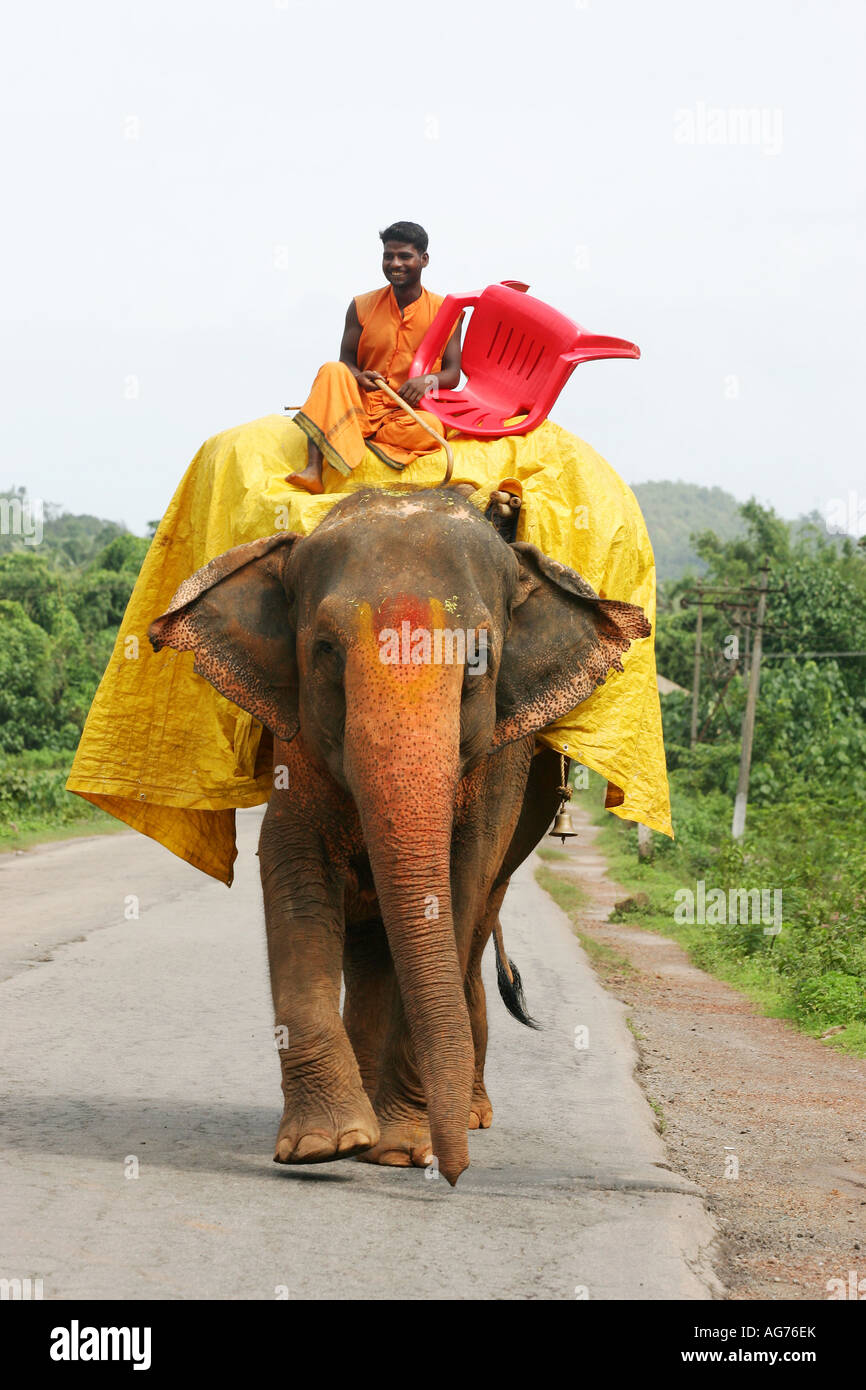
(406, 232)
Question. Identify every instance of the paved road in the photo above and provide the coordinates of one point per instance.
(145, 1045)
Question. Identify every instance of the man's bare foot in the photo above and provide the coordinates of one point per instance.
(310, 480)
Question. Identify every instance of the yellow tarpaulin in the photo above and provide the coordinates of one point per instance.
(164, 752)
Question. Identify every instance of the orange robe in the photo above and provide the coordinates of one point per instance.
(344, 420)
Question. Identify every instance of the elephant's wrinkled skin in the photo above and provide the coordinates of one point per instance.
(405, 793)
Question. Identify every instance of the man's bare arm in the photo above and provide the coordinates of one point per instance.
(349, 349)
(445, 379)
(449, 377)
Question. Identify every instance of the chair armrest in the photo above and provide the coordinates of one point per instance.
(594, 346)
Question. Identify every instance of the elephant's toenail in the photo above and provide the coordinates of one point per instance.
(312, 1146)
(354, 1139)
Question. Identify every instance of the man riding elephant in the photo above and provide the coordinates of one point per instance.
(346, 413)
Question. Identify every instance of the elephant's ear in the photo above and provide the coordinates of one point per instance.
(234, 614)
(562, 642)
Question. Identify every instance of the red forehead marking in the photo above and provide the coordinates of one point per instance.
(402, 608)
(382, 656)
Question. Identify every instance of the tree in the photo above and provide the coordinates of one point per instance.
(810, 729)
(27, 716)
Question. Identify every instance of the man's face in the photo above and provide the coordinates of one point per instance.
(402, 263)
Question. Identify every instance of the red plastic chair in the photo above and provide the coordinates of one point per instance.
(517, 356)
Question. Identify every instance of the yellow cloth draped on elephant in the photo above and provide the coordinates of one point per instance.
(164, 752)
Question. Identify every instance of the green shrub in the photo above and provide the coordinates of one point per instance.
(832, 998)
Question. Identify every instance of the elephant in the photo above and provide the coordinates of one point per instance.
(407, 789)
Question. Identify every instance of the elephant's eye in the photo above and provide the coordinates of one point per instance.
(328, 657)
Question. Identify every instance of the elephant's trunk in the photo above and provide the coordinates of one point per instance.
(401, 760)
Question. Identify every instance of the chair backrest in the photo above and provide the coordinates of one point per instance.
(512, 343)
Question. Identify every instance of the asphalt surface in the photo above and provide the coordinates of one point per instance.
(141, 1098)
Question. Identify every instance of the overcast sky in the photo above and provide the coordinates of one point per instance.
(194, 190)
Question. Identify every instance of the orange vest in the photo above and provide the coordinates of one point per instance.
(389, 339)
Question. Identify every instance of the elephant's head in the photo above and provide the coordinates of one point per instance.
(402, 640)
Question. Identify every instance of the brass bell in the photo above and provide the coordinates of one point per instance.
(562, 826)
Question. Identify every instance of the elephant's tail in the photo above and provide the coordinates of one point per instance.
(509, 981)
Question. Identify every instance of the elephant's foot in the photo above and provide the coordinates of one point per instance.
(326, 1115)
(327, 1132)
(480, 1110)
(403, 1143)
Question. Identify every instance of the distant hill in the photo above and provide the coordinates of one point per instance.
(675, 511)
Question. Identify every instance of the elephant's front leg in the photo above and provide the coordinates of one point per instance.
(327, 1114)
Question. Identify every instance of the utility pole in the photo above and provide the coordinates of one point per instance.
(747, 632)
(696, 680)
(739, 823)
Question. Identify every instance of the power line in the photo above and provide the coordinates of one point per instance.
(782, 656)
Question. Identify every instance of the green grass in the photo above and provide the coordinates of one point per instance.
(812, 974)
(566, 892)
(35, 806)
(570, 895)
(604, 959)
(853, 1040)
(101, 823)
(660, 884)
(659, 1114)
